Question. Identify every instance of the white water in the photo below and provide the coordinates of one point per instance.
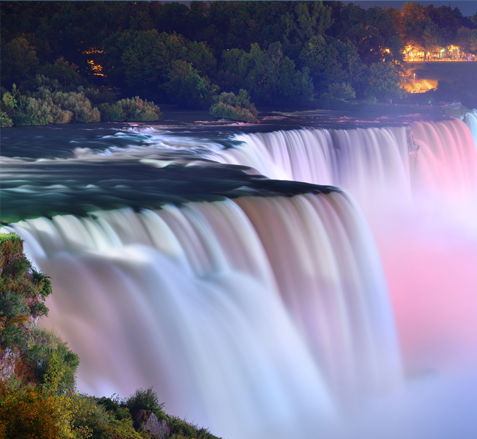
(471, 120)
(269, 317)
(373, 162)
(261, 315)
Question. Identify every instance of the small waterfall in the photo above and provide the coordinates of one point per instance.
(254, 317)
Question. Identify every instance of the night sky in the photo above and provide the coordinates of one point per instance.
(466, 7)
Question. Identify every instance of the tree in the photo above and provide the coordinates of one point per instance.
(186, 87)
(269, 76)
(139, 60)
(21, 61)
(383, 80)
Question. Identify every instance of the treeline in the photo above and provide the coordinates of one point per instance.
(37, 373)
(291, 54)
(429, 26)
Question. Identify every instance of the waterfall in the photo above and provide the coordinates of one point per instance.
(417, 186)
(270, 316)
(369, 163)
(470, 119)
(251, 317)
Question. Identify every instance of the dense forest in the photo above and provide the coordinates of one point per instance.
(86, 61)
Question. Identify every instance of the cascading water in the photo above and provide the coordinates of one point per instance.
(268, 316)
(417, 186)
(471, 120)
(268, 310)
(367, 162)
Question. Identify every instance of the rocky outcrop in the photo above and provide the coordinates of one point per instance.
(148, 422)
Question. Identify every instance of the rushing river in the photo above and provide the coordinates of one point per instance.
(286, 282)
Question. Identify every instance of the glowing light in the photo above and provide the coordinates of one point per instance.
(96, 69)
(414, 53)
(92, 50)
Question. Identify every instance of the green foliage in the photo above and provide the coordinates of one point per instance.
(140, 60)
(234, 107)
(5, 121)
(27, 413)
(78, 104)
(383, 79)
(186, 87)
(268, 75)
(340, 91)
(332, 61)
(9, 101)
(22, 294)
(22, 60)
(40, 109)
(101, 423)
(132, 109)
(281, 52)
(100, 95)
(65, 73)
(144, 399)
(53, 363)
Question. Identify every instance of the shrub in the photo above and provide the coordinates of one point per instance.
(53, 363)
(100, 423)
(27, 413)
(5, 121)
(144, 399)
(234, 107)
(23, 290)
(78, 104)
(132, 109)
(34, 110)
(100, 95)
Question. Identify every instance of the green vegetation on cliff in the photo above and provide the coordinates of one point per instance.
(37, 373)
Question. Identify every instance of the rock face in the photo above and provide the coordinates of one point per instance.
(8, 360)
(148, 422)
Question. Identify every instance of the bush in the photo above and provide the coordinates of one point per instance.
(52, 362)
(28, 110)
(78, 104)
(132, 109)
(27, 413)
(144, 400)
(100, 423)
(100, 95)
(5, 121)
(234, 107)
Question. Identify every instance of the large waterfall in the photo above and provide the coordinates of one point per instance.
(417, 186)
(274, 316)
(270, 310)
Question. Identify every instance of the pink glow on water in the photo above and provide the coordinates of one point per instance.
(432, 276)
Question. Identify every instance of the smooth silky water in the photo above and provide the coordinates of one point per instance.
(266, 316)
